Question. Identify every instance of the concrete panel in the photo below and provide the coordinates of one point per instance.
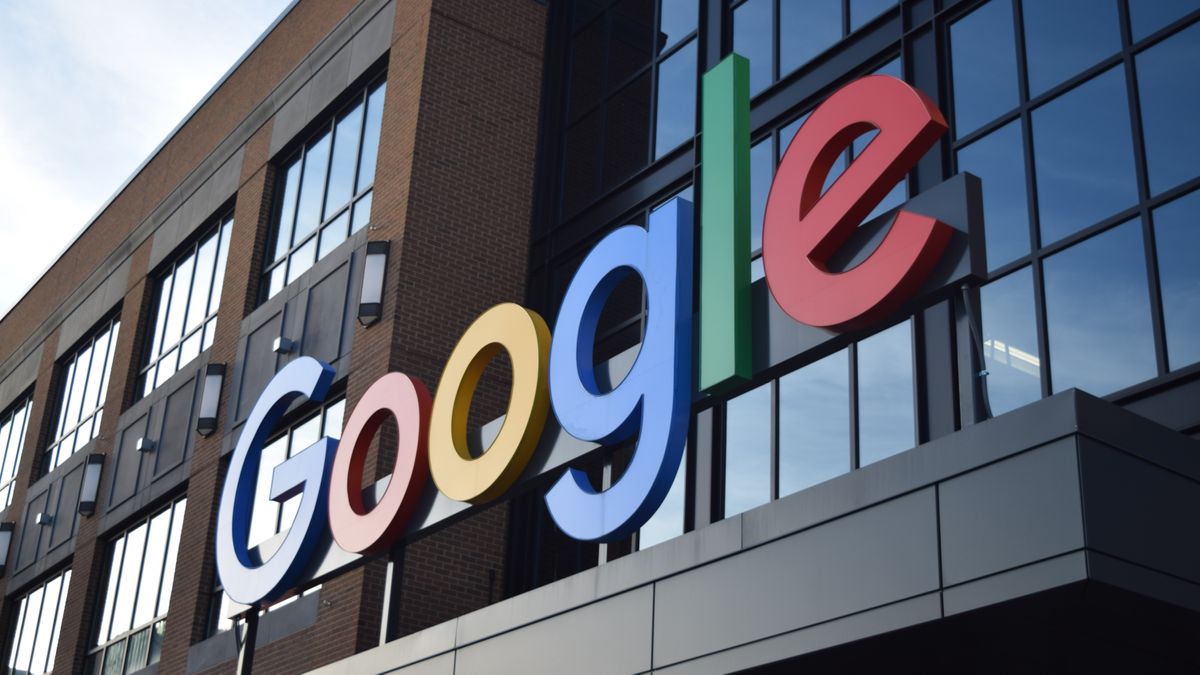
(1041, 576)
(610, 636)
(1011, 513)
(30, 533)
(865, 560)
(325, 315)
(329, 82)
(127, 462)
(66, 513)
(372, 40)
(1133, 511)
(97, 305)
(258, 363)
(290, 119)
(197, 209)
(175, 437)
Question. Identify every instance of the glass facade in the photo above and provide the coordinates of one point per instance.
(37, 621)
(13, 427)
(324, 190)
(188, 295)
(137, 595)
(82, 386)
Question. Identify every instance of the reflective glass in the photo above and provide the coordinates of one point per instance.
(345, 158)
(179, 300)
(334, 234)
(748, 450)
(814, 423)
(675, 120)
(1098, 313)
(152, 568)
(29, 630)
(1064, 37)
(805, 30)
(667, 521)
(752, 38)
(370, 141)
(312, 188)
(164, 593)
(49, 617)
(1083, 156)
(678, 19)
(999, 161)
(301, 260)
(587, 68)
(862, 11)
(56, 629)
(630, 42)
(762, 169)
(127, 582)
(1010, 348)
(1177, 240)
(206, 258)
(627, 131)
(1169, 92)
(1148, 16)
(362, 213)
(287, 208)
(984, 64)
(886, 416)
(581, 163)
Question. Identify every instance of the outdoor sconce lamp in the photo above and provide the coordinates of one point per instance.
(6, 533)
(283, 345)
(91, 484)
(145, 445)
(370, 299)
(210, 400)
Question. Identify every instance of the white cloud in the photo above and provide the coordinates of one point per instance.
(87, 91)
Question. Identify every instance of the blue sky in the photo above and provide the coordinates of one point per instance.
(87, 91)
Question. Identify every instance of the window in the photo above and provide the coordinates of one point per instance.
(632, 85)
(324, 189)
(83, 384)
(1177, 234)
(1084, 141)
(821, 420)
(141, 572)
(13, 425)
(188, 295)
(806, 30)
(38, 618)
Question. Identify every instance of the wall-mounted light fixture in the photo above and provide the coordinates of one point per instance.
(90, 489)
(283, 345)
(43, 518)
(370, 298)
(6, 535)
(210, 400)
(145, 445)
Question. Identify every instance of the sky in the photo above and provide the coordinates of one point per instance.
(87, 91)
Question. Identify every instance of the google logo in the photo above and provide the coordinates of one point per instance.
(803, 228)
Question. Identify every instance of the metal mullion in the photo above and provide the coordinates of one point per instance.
(61, 591)
(845, 19)
(960, 142)
(852, 374)
(170, 512)
(1143, 185)
(1099, 68)
(775, 441)
(362, 136)
(776, 13)
(187, 302)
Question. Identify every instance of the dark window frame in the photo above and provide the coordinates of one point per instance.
(64, 385)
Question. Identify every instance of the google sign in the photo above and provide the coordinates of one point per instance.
(803, 228)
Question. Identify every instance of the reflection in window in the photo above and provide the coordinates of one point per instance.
(324, 190)
(1083, 156)
(984, 66)
(13, 425)
(886, 417)
(999, 161)
(748, 450)
(141, 573)
(38, 620)
(1010, 348)
(268, 517)
(1064, 37)
(188, 296)
(752, 31)
(667, 521)
(1177, 238)
(814, 423)
(1148, 16)
(1098, 313)
(1169, 103)
(675, 119)
(862, 11)
(805, 30)
(83, 384)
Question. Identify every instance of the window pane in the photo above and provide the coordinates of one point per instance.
(678, 19)
(1083, 156)
(762, 169)
(152, 568)
(862, 11)
(667, 521)
(581, 163)
(333, 234)
(362, 213)
(1100, 351)
(587, 69)
(814, 423)
(1177, 238)
(312, 188)
(886, 419)
(78, 386)
(29, 630)
(127, 584)
(57, 628)
(206, 259)
(164, 303)
(345, 158)
(164, 596)
(370, 143)
(999, 161)
(179, 302)
(1010, 348)
(630, 43)
(752, 38)
(627, 131)
(675, 120)
(219, 276)
(983, 60)
(1064, 37)
(332, 427)
(748, 450)
(287, 208)
(49, 617)
(1169, 101)
(301, 260)
(1148, 16)
(110, 596)
(805, 30)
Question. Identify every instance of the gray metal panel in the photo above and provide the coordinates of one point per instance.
(1011, 513)
(85, 317)
(175, 438)
(1144, 530)
(1040, 576)
(861, 561)
(438, 665)
(290, 119)
(372, 41)
(31, 533)
(329, 82)
(66, 511)
(198, 209)
(258, 363)
(611, 636)
(325, 315)
(127, 462)
(1143, 581)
